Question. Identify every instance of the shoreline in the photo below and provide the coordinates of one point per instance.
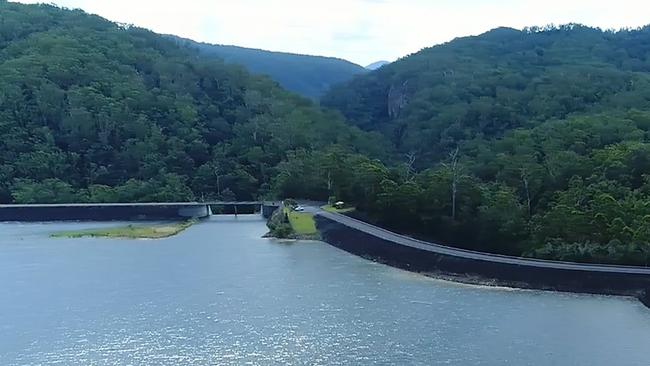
(475, 268)
(483, 284)
(129, 232)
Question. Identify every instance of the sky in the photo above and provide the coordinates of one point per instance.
(361, 31)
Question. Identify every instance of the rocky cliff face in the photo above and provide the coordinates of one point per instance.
(397, 99)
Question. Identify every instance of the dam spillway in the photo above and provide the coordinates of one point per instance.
(124, 211)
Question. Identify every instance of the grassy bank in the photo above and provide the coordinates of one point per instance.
(129, 231)
(289, 224)
(302, 223)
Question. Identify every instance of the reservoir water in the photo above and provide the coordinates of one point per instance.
(219, 294)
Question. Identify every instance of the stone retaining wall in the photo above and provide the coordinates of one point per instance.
(484, 271)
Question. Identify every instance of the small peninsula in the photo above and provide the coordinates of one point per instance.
(158, 231)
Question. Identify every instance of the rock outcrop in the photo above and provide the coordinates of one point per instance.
(397, 99)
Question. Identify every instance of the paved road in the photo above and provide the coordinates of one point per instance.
(138, 204)
(441, 249)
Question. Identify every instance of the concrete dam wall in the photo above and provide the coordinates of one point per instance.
(129, 211)
(100, 213)
(480, 268)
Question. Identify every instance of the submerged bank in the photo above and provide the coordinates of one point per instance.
(645, 298)
(129, 231)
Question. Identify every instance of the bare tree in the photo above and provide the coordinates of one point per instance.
(217, 174)
(255, 129)
(105, 127)
(455, 169)
(411, 157)
(330, 182)
(524, 179)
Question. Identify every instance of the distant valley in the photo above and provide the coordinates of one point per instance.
(375, 65)
(309, 76)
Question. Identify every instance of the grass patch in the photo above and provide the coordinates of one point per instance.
(129, 232)
(302, 223)
(330, 208)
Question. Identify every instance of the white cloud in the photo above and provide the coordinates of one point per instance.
(362, 31)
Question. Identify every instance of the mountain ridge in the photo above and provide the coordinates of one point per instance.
(376, 65)
(310, 76)
(92, 111)
(532, 142)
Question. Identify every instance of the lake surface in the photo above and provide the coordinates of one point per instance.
(218, 294)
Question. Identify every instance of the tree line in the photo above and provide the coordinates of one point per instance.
(96, 111)
(576, 199)
(530, 143)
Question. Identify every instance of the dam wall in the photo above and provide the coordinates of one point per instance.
(465, 266)
(131, 211)
(98, 213)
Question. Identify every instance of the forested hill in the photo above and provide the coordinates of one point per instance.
(504, 79)
(309, 76)
(530, 142)
(533, 142)
(94, 111)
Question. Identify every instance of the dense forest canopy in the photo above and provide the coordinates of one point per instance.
(94, 111)
(481, 87)
(530, 142)
(309, 76)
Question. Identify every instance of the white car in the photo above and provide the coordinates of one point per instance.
(299, 208)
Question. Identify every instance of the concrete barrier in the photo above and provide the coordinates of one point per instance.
(88, 213)
(268, 209)
(195, 211)
(481, 268)
(126, 211)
